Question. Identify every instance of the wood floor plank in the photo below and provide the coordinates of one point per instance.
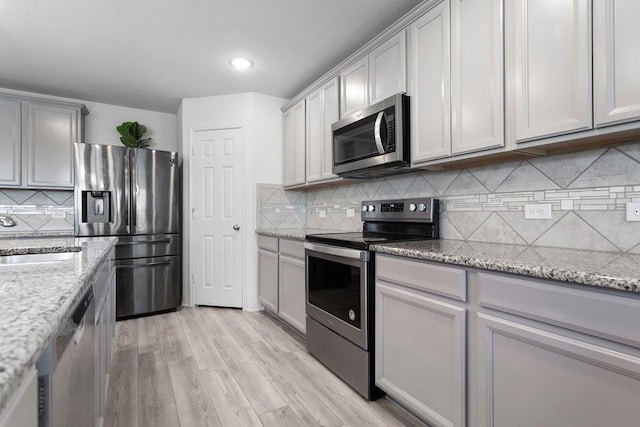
(122, 397)
(338, 396)
(156, 403)
(149, 336)
(204, 352)
(230, 402)
(283, 417)
(260, 392)
(249, 365)
(276, 338)
(126, 335)
(173, 338)
(193, 403)
(307, 406)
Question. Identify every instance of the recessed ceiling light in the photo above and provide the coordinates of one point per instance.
(241, 63)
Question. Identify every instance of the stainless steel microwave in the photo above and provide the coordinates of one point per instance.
(374, 141)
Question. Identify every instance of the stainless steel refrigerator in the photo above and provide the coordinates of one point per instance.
(133, 193)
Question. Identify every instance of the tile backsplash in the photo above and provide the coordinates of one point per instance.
(587, 190)
(37, 210)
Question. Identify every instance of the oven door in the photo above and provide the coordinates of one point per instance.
(337, 290)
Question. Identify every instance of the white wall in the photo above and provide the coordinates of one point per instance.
(260, 117)
(100, 123)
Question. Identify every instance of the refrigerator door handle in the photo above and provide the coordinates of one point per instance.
(144, 242)
(150, 264)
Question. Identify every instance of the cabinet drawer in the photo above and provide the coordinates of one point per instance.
(292, 248)
(268, 243)
(440, 280)
(590, 311)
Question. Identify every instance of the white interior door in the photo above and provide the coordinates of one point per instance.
(217, 217)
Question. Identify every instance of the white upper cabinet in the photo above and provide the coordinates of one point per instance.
(36, 139)
(387, 69)
(354, 92)
(477, 75)
(429, 85)
(322, 112)
(49, 132)
(10, 142)
(377, 76)
(294, 145)
(616, 61)
(549, 43)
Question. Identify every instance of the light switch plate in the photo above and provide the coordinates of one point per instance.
(633, 211)
(537, 211)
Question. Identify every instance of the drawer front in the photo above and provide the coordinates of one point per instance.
(589, 311)
(292, 248)
(148, 246)
(268, 243)
(437, 279)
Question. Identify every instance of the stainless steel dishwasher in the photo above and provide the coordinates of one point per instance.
(67, 371)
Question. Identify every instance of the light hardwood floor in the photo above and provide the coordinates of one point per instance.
(208, 366)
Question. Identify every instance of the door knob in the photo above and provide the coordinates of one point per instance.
(236, 227)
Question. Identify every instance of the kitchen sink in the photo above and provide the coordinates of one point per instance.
(35, 258)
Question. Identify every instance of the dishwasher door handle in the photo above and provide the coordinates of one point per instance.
(149, 264)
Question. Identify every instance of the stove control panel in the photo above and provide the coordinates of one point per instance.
(424, 209)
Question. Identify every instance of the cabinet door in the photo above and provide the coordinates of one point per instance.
(354, 90)
(49, 133)
(430, 85)
(531, 376)
(292, 293)
(268, 279)
(294, 145)
(388, 68)
(315, 137)
(421, 366)
(616, 63)
(330, 115)
(477, 75)
(22, 407)
(551, 48)
(10, 142)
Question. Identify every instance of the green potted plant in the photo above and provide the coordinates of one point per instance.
(132, 133)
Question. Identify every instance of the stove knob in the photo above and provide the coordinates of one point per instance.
(413, 207)
(364, 208)
(372, 208)
(422, 207)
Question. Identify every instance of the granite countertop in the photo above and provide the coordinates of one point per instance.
(602, 269)
(38, 234)
(36, 298)
(290, 233)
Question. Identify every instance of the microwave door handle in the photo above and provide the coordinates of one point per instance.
(376, 132)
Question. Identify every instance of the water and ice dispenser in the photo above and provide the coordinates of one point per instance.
(96, 206)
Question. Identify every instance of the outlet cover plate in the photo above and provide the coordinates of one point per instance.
(633, 211)
(322, 214)
(537, 211)
(351, 213)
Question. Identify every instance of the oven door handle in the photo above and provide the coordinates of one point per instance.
(338, 251)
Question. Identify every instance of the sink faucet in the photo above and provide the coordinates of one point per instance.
(7, 221)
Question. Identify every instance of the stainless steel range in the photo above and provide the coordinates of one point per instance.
(340, 285)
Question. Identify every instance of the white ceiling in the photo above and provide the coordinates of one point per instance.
(151, 53)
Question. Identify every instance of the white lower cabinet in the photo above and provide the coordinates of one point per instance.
(460, 346)
(420, 342)
(281, 279)
(268, 272)
(104, 290)
(22, 408)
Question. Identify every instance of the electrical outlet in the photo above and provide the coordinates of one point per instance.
(322, 214)
(633, 211)
(537, 211)
(351, 213)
